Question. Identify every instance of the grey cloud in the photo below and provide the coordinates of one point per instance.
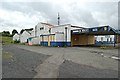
(75, 15)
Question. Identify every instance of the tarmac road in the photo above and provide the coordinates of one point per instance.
(69, 69)
(23, 61)
(20, 63)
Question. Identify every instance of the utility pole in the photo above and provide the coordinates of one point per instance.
(58, 19)
(66, 36)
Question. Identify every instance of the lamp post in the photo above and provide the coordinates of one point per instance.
(114, 39)
(66, 36)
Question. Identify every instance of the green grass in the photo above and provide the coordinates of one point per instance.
(6, 40)
(36, 45)
(7, 55)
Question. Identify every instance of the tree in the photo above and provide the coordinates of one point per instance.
(14, 32)
(25, 30)
(6, 33)
(22, 31)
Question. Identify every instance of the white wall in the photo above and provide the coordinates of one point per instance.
(35, 40)
(32, 33)
(61, 28)
(16, 37)
(59, 37)
(44, 31)
(24, 36)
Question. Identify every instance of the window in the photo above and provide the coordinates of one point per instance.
(101, 38)
(110, 39)
(107, 39)
(41, 28)
(49, 30)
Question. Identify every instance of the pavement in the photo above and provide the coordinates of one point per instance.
(61, 62)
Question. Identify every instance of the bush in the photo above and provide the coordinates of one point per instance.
(22, 43)
(36, 45)
(16, 41)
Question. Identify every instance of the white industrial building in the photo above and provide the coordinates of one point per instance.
(50, 35)
(68, 35)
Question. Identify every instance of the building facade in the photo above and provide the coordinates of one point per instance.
(68, 35)
(95, 36)
(59, 36)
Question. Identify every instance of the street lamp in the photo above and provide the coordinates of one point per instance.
(66, 36)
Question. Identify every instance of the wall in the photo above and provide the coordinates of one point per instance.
(32, 33)
(16, 37)
(83, 40)
(91, 39)
(117, 38)
(45, 29)
(24, 36)
(35, 40)
(61, 29)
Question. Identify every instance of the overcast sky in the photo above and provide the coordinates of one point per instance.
(26, 14)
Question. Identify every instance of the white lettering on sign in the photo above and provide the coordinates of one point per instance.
(75, 31)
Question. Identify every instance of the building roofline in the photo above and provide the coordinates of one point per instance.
(61, 25)
(77, 27)
(47, 24)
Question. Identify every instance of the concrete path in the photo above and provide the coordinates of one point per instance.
(50, 67)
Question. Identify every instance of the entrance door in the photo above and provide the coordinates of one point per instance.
(50, 38)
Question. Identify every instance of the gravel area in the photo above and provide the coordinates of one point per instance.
(68, 69)
(20, 63)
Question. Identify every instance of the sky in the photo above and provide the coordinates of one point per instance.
(22, 14)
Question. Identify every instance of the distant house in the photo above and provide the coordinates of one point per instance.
(16, 37)
(26, 35)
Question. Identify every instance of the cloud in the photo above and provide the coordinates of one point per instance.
(18, 15)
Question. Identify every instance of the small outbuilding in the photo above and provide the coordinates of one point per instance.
(16, 37)
(26, 35)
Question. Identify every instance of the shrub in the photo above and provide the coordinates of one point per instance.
(16, 41)
(22, 43)
(36, 45)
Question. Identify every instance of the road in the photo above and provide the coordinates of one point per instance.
(23, 61)
(20, 63)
